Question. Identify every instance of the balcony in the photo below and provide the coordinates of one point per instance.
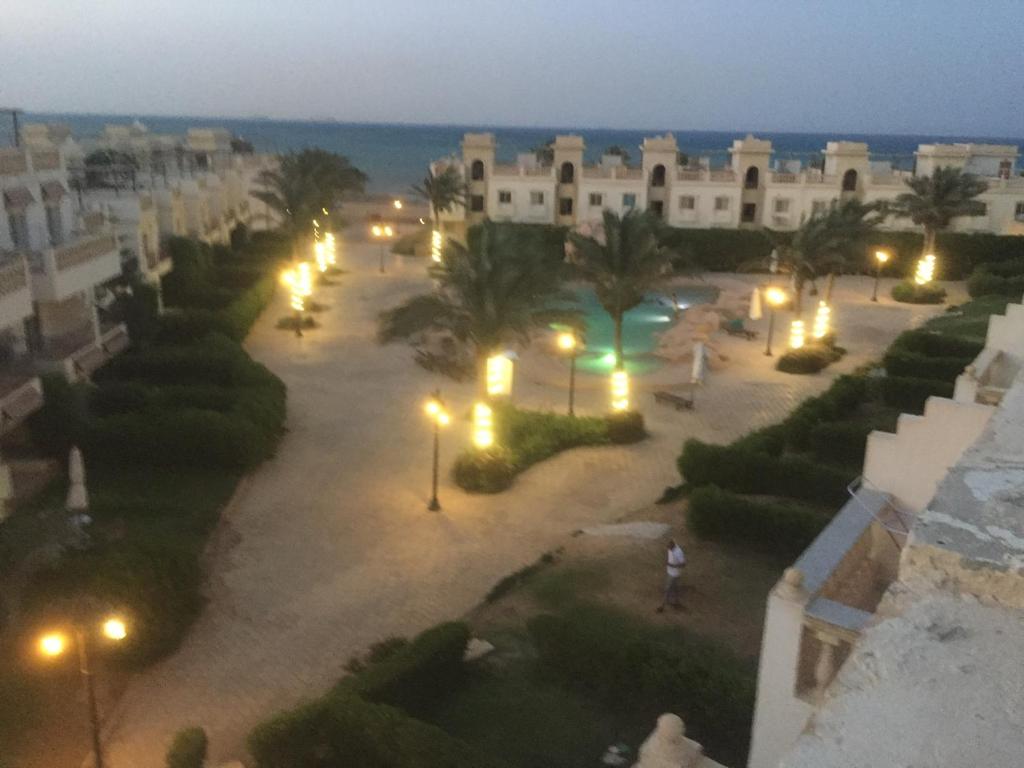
(78, 353)
(12, 162)
(61, 272)
(15, 294)
(20, 397)
(46, 160)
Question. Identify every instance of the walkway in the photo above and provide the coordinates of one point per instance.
(329, 547)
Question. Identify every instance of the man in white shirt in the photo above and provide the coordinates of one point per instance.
(673, 570)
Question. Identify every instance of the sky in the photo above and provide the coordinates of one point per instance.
(943, 67)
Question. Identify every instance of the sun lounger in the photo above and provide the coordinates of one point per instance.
(736, 328)
(679, 402)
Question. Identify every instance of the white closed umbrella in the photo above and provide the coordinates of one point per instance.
(755, 305)
(78, 496)
(699, 369)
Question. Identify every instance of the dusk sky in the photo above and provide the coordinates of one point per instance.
(912, 66)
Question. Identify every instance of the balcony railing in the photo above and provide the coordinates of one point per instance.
(68, 256)
(13, 276)
(46, 160)
(12, 162)
(20, 397)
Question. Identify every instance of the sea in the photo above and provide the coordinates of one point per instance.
(395, 156)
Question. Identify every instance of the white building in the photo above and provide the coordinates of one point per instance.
(895, 638)
(751, 191)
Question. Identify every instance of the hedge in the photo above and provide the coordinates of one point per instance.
(916, 365)
(215, 360)
(784, 529)
(188, 749)
(746, 471)
(840, 442)
(719, 250)
(242, 312)
(984, 283)
(809, 359)
(911, 293)
(630, 667)
(909, 394)
(936, 344)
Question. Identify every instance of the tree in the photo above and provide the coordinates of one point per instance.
(834, 240)
(110, 168)
(442, 191)
(495, 289)
(304, 184)
(934, 201)
(618, 151)
(623, 263)
(545, 153)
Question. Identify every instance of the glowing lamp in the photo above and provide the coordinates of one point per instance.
(499, 376)
(377, 230)
(620, 391)
(320, 254)
(398, 205)
(388, 231)
(52, 644)
(881, 256)
(796, 334)
(115, 629)
(436, 411)
(925, 269)
(483, 425)
(822, 321)
(567, 342)
(775, 296)
(435, 245)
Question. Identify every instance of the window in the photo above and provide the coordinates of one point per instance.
(504, 196)
(657, 208)
(1018, 212)
(782, 205)
(18, 223)
(629, 200)
(982, 209)
(687, 203)
(658, 176)
(850, 181)
(536, 198)
(596, 199)
(750, 180)
(54, 225)
(565, 206)
(1005, 167)
(476, 203)
(721, 203)
(748, 212)
(476, 170)
(567, 174)
(818, 207)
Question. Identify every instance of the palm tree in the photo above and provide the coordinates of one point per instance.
(834, 240)
(934, 201)
(623, 264)
(493, 290)
(791, 260)
(442, 191)
(304, 184)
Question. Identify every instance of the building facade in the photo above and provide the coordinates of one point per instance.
(751, 191)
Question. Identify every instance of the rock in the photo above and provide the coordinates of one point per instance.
(477, 649)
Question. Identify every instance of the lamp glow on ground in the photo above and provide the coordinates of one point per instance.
(925, 272)
(483, 425)
(620, 391)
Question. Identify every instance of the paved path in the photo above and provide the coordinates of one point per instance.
(329, 547)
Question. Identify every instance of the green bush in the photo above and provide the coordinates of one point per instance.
(626, 427)
(242, 312)
(912, 293)
(60, 423)
(747, 471)
(413, 243)
(630, 666)
(719, 250)
(985, 283)
(484, 471)
(920, 366)
(416, 674)
(185, 326)
(118, 397)
(808, 359)
(840, 441)
(215, 360)
(783, 529)
(347, 731)
(937, 345)
(909, 394)
(770, 440)
(188, 749)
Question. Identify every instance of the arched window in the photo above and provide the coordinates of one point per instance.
(750, 180)
(567, 174)
(476, 170)
(850, 181)
(658, 176)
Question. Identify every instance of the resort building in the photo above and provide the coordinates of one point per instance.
(894, 638)
(751, 191)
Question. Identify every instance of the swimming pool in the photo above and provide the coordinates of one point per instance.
(639, 329)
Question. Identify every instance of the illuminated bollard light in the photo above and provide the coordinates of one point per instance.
(620, 391)
(435, 245)
(796, 334)
(483, 425)
(822, 320)
(499, 376)
(925, 269)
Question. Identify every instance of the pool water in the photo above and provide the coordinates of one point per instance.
(639, 329)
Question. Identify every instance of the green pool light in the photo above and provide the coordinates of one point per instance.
(608, 359)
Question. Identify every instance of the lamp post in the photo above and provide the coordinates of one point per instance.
(382, 233)
(54, 644)
(300, 283)
(774, 297)
(568, 343)
(439, 415)
(880, 258)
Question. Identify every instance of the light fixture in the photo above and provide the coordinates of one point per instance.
(435, 245)
(822, 321)
(115, 628)
(52, 644)
(620, 391)
(796, 334)
(397, 204)
(499, 375)
(567, 341)
(925, 269)
(483, 425)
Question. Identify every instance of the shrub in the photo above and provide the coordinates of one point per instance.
(747, 471)
(119, 397)
(215, 360)
(920, 366)
(770, 440)
(912, 293)
(719, 250)
(484, 471)
(937, 345)
(809, 359)
(417, 673)
(60, 423)
(632, 668)
(908, 393)
(784, 529)
(188, 749)
(840, 441)
(242, 312)
(626, 427)
(186, 326)
(986, 283)
(408, 244)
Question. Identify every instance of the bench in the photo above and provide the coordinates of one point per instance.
(679, 402)
(736, 329)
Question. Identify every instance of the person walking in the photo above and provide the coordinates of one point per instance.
(673, 570)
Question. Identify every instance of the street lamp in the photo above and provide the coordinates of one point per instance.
(55, 644)
(435, 409)
(397, 204)
(567, 342)
(382, 233)
(774, 297)
(880, 258)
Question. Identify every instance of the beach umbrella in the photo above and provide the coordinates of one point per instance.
(699, 370)
(755, 305)
(78, 497)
